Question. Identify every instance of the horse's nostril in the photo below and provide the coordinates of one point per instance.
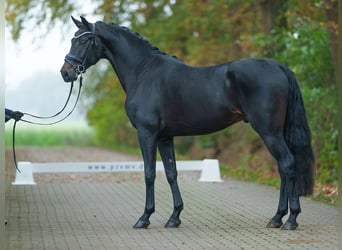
(65, 75)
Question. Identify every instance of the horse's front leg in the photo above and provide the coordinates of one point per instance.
(148, 145)
(166, 149)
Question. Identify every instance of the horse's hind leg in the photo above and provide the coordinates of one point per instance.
(166, 149)
(278, 148)
(276, 221)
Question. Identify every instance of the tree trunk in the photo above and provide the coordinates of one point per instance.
(331, 13)
(272, 14)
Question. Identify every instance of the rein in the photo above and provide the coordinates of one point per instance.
(46, 117)
(79, 69)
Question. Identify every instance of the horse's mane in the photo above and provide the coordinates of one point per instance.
(140, 37)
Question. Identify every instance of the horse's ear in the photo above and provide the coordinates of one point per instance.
(78, 23)
(86, 23)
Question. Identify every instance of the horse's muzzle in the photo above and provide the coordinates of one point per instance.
(68, 73)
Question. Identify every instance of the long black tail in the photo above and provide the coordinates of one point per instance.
(297, 136)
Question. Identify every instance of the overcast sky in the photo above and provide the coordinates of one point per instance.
(32, 79)
(26, 57)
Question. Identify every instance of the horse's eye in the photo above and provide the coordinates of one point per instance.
(83, 40)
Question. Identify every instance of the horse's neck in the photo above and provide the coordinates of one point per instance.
(126, 59)
(121, 72)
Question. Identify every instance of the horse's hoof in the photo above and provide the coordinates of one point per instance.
(141, 224)
(290, 225)
(173, 223)
(274, 224)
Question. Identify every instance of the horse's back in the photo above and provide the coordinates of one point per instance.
(258, 72)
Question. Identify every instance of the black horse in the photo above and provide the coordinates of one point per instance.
(167, 98)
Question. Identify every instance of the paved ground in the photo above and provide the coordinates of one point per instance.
(98, 212)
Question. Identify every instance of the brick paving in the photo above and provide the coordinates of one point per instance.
(88, 214)
(97, 211)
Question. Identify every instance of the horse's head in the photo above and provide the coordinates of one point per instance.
(84, 52)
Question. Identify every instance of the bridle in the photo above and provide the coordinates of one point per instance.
(80, 68)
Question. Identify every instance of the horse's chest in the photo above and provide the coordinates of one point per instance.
(142, 111)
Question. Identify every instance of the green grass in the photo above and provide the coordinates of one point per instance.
(250, 175)
(64, 134)
(247, 174)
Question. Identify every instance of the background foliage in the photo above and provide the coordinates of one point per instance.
(301, 34)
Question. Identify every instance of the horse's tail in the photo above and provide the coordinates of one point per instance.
(297, 136)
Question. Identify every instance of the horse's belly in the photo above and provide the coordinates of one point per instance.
(206, 125)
